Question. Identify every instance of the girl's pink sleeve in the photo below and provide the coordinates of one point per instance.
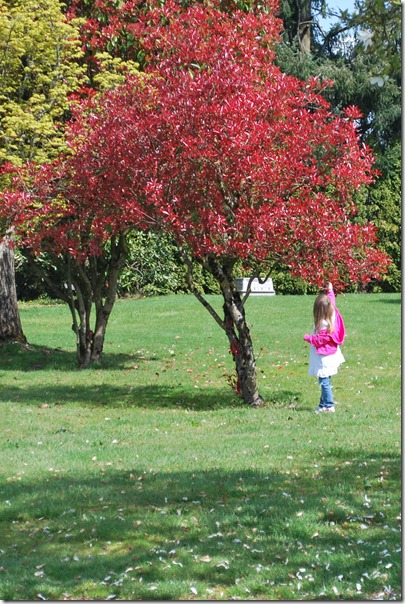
(321, 339)
(331, 295)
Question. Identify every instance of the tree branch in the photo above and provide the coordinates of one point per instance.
(190, 282)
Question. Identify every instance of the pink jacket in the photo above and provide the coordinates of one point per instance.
(327, 343)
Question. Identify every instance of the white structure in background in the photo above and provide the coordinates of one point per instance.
(256, 288)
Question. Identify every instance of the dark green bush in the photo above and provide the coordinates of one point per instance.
(155, 267)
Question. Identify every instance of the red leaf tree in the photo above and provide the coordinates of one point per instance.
(74, 237)
(256, 166)
(238, 161)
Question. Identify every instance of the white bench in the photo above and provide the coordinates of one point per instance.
(256, 288)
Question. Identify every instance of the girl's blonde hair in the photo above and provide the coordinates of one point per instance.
(323, 311)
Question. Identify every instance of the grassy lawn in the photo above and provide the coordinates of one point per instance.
(145, 478)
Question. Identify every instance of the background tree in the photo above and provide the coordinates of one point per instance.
(155, 267)
(356, 47)
(382, 205)
(300, 20)
(38, 69)
(379, 30)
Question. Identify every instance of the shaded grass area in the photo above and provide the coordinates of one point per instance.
(142, 534)
(146, 478)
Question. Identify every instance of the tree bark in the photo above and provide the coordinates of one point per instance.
(107, 285)
(93, 283)
(241, 347)
(10, 322)
(235, 326)
(96, 283)
(304, 26)
(240, 339)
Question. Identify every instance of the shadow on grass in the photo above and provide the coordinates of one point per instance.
(19, 357)
(144, 396)
(15, 357)
(152, 397)
(150, 535)
(392, 300)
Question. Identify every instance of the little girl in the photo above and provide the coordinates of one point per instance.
(325, 354)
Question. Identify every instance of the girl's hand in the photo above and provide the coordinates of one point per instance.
(329, 287)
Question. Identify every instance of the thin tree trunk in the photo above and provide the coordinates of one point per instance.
(86, 285)
(105, 283)
(10, 322)
(240, 341)
(235, 326)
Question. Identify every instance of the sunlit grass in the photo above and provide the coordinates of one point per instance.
(146, 478)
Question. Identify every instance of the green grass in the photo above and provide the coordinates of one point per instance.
(145, 478)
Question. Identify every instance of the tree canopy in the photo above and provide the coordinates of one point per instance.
(238, 161)
(40, 52)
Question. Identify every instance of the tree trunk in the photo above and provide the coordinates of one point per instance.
(10, 323)
(304, 26)
(99, 335)
(84, 333)
(97, 284)
(234, 324)
(69, 282)
(105, 290)
(84, 285)
(240, 342)
(241, 347)
(90, 343)
(236, 329)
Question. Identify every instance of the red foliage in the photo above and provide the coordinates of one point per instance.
(252, 163)
(105, 26)
(69, 206)
(235, 158)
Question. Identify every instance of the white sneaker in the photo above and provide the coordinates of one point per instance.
(325, 409)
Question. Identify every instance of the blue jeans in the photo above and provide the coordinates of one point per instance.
(326, 392)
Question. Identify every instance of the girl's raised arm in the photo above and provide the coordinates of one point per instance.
(331, 293)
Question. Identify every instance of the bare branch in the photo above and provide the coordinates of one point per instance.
(190, 282)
